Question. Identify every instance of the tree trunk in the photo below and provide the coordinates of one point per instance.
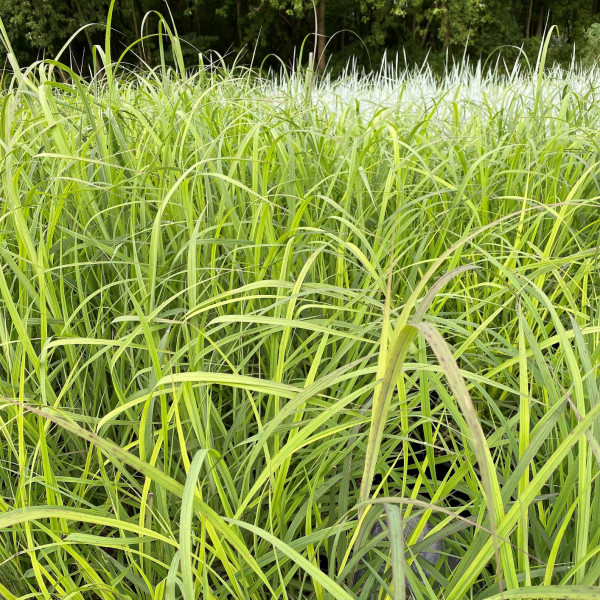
(447, 31)
(86, 31)
(425, 33)
(134, 18)
(540, 24)
(414, 28)
(321, 36)
(238, 20)
(528, 26)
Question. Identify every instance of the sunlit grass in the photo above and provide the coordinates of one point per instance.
(242, 318)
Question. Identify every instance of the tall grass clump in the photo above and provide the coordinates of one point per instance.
(242, 322)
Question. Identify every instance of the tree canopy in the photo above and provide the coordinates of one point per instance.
(363, 29)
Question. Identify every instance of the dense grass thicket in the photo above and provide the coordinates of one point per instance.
(243, 319)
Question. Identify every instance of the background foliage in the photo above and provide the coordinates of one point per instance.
(360, 28)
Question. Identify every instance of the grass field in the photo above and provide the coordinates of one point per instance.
(242, 318)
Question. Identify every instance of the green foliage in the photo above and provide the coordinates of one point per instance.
(45, 26)
(591, 52)
(362, 29)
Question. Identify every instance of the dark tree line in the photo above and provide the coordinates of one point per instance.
(360, 28)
